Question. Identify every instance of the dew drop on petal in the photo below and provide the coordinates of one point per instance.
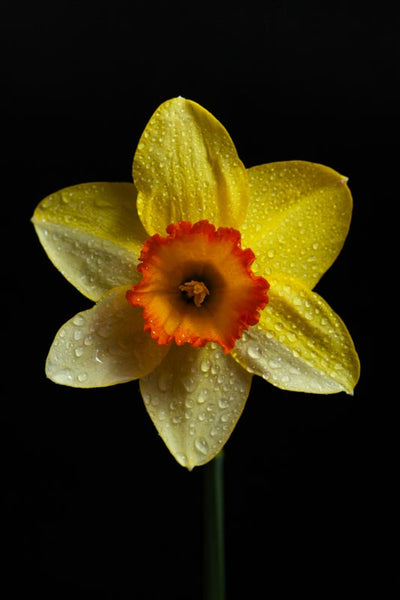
(78, 320)
(223, 403)
(205, 365)
(273, 364)
(215, 431)
(253, 351)
(201, 445)
(182, 458)
(146, 398)
(202, 397)
(189, 383)
(164, 381)
(225, 417)
(88, 341)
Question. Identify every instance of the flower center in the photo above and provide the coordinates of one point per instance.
(198, 267)
(195, 291)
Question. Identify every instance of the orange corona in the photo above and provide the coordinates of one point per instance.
(197, 286)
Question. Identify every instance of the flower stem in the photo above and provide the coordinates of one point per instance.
(214, 545)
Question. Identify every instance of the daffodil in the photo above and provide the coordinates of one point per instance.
(202, 275)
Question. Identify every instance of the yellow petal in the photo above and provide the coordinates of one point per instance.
(195, 397)
(300, 344)
(298, 218)
(103, 346)
(186, 168)
(92, 234)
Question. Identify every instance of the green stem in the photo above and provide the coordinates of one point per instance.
(214, 544)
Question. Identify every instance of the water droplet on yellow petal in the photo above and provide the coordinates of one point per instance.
(201, 445)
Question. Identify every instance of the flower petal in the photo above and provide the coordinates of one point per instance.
(186, 169)
(92, 234)
(299, 344)
(298, 218)
(195, 397)
(103, 346)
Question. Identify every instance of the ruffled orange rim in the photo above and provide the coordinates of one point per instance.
(197, 286)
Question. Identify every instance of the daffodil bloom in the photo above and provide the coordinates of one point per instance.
(202, 273)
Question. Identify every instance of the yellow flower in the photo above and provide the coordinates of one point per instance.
(195, 313)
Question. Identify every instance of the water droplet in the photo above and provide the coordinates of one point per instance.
(146, 398)
(64, 375)
(205, 365)
(162, 415)
(271, 253)
(273, 364)
(189, 383)
(164, 381)
(78, 334)
(202, 397)
(78, 321)
(201, 445)
(78, 351)
(223, 403)
(215, 431)
(82, 377)
(215, 369)
(105, 330)
(99, 357)
(181, 458)
(253, 351)
(189, 402)
(225, 417)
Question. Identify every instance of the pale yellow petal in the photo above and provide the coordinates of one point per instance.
(300, 344)
(103, 346)
(298, 218)
(92, 234)
(186, 168)
(195, 397)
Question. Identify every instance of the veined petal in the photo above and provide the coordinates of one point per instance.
(299, 344)
(103, 346)
(93, 235)
(298, 218)
(186, 168)
(195, 397)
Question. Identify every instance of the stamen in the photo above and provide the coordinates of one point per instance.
(196, 290)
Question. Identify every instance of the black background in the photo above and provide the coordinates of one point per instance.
(93, 505)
